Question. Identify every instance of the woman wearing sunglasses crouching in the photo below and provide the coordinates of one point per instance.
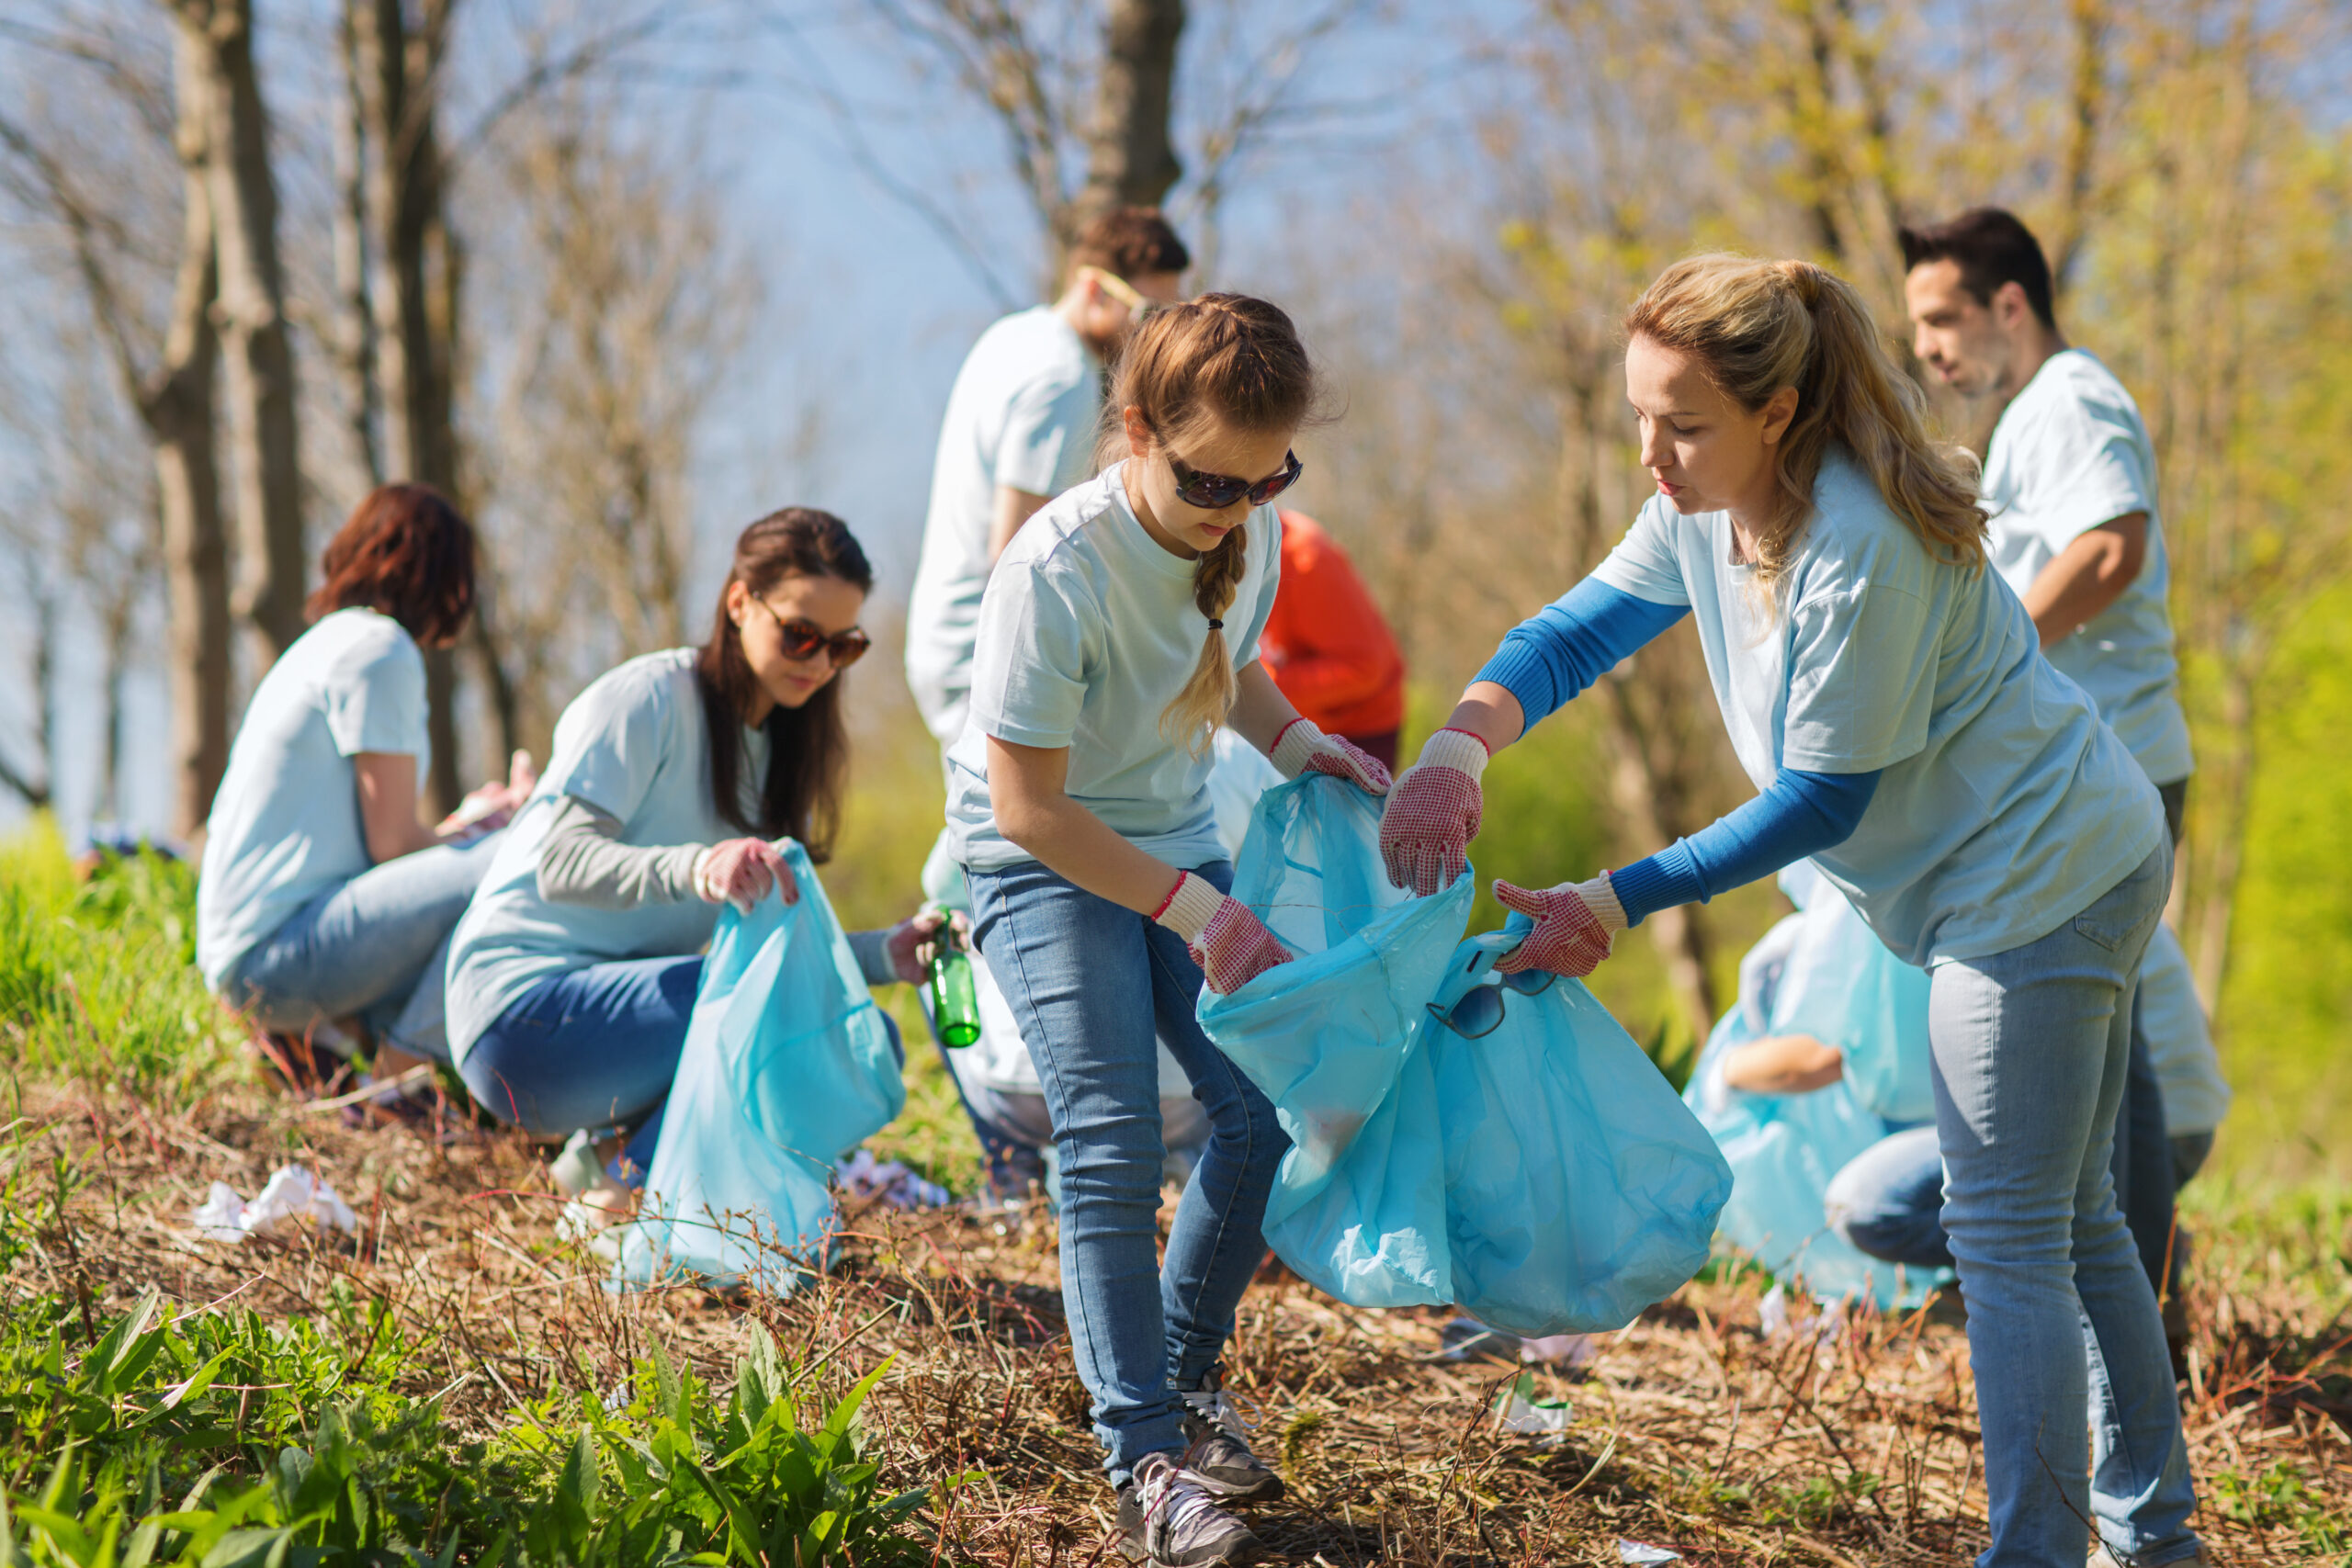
(1078, 803)
(574, 974)
(1887, 694)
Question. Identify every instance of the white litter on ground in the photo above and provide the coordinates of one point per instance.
(1645, 1554)
(1517, 1410)
(293, 1193)
(863, 1175)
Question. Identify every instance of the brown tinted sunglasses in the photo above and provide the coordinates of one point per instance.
(803, 638)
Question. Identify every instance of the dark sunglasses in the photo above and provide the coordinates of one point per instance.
(1479, 1013)
(803, 638)
(1214, 492)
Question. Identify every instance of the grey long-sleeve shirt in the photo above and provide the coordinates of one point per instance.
(582, 861)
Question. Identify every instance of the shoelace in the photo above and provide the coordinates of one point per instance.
(1226, 1413)
(1169, 1487)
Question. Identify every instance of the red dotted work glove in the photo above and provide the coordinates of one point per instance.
(1229, 943)
(1303, 748)
(1575, 923)
(1433, 813)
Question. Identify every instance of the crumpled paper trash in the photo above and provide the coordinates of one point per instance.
(1645, 1555)
(292, 1193)
(863, 1175)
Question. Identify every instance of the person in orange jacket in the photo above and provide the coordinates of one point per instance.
(1328, 647)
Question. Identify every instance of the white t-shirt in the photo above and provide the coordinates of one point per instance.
(1021, 415)
(2003, 806)
(2069, 454)
(1087, 633)
(285, 826)
(634, 745)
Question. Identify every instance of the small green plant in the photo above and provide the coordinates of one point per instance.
(2281, 1495)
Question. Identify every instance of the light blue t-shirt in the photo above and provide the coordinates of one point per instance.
(2069, 453)
(285, 825)
(1023, 415)
(634, 745)
(2004, 806)
(1087, 633)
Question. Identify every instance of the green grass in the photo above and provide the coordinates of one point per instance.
(97, 978)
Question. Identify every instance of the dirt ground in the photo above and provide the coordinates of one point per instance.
(1847, 1440)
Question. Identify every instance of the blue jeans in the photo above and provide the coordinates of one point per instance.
(375, 948)
(596, 1047)
(2031, 1051)
(1087, 979)
(1888, 1200)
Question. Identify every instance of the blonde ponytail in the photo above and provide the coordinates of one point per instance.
(1757, 326)
(1221, 361)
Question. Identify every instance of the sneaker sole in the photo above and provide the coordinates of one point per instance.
(1241, 1552)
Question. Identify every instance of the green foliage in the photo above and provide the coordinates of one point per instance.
(2281, 1495)
(2288, 992)
(97, 977)
(221, 1440)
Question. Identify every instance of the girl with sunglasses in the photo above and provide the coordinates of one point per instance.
(574, 974)
(1888, 695)
(1118, 631)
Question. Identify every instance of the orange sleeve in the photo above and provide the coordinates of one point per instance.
(1327, 645)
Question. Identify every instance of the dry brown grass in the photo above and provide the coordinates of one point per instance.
(1690, 1430)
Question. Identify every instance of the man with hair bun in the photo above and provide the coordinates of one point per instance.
(1020, 429)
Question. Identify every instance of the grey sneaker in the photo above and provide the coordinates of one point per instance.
(1167, 1520)
(1219, 1457)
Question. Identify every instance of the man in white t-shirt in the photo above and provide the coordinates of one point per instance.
(2070, 480)
(1020, 429)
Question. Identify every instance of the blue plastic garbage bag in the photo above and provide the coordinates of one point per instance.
(1544, 1178)
(1783, 1149)
(788, 1064)
(1843, 987)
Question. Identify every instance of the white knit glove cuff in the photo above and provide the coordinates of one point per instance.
(1456, 749)
(1190, 907)
(1299, 741)
(1601, 899)
(704, 890)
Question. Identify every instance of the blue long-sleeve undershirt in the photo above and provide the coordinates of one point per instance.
(1566, 647)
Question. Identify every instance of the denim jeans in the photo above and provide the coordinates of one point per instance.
(2031, 1051)
(1014, 1129)
(1087, 979)
(375, 948)
(596, 1047)
(1888, 1200)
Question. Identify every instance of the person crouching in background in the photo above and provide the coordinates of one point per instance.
(323, 904)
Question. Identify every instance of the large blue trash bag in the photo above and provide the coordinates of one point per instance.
(788, 1064)
(1329, 1038)
(1544, 1178)
(1845, 989)
(1579, 1188)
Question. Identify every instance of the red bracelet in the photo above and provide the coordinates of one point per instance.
(1172, 895)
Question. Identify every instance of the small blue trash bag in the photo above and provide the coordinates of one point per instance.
(1845, 989)
(1544, 1178)
(788, 1065)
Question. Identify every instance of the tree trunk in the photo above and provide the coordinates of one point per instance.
(400, 67)
(354, 319)
(1130, 155)
(263, 429)
(177, 409)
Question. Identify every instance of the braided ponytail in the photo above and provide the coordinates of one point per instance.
(1224, 361)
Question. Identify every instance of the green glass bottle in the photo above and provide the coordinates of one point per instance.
(954, 1006)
